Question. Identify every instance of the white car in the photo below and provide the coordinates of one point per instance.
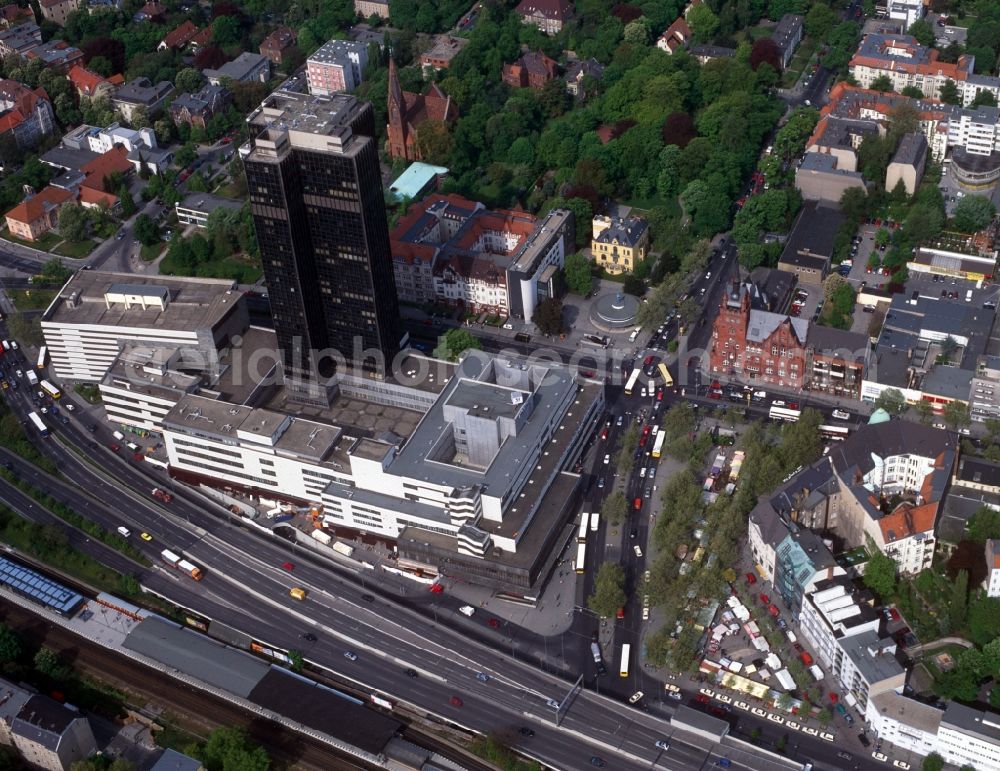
(901, 764)
(742, 705)
(841, 415)
(69, 407)
(759, 712)
(811, 731)
(723, 698)
(607, 459)
(672, 688)
(637, 550)
(707, 692)
(635, 697)
(827, 737)
(775, 718)
(880, 756)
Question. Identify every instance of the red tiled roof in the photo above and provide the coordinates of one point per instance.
(25, 101)
(35, 207)
(181, 36)
(91, 195)
(115, 159)
(203, 38)
(14, 14)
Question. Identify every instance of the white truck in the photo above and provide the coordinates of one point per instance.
(32, 377)
(323, 538)
(343, 548)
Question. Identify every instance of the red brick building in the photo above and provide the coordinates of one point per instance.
(758, 347)
(407, 111)
(533, 70)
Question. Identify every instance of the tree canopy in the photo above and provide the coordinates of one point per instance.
(454, 343)
(609, 590)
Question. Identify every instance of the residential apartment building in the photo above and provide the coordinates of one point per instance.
(56, 55)
(906, 723)
(89, 84)
(984, 390)
(618, 244)
(37, 214)
(907, 164)
(179, 37)
(278, 45)
(532, 70)
(245, 68)
(199, 108)
(787, 36)
(969, 736)
(368, 8)
(324, 247)
(196, 208)
(674, 37)
(905, 11)
(141, 93)
(26, 114)
(96, 313)
(57, 11)
(17, 41)
(439, 55)
(907, 63)
(548, 15)
(50, 735)
(455, 251)
(336, 67)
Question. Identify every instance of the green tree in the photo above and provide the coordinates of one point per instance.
(454, 343)
(73, 222)
(882, 83)
(10, 645)
(984, 619)
(956, 415)
(188, 80)
(128, 204)
(615, 508)
(922, 30)
(933, 762)
(295, 661)
(50, 664)
(819, 21)
(609, 590)
(637, 32)
(924, 412)
(231, 749)
(949, 93)
(27, 329)
(548, 316)
(984, 99)
(186, 155)
(972, 213)
(880, 573)
(55, 271)
(146, 231)
(913, 92)
(579, 277)
(984, 525)
(892, 401)
(959, 599)
(703, 22)
(225, 31)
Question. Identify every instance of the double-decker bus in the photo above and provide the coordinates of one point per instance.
(658, 444)
(36, 420)
(581, 557)
(42, 353)
(50, 389)
(632, 380)
(836, 433)
(665, 374)
(783, 413)
(581, 537)
(623, 667)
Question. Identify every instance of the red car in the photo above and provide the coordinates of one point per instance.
(773, 610)
(138, 457)
(455, 701)
(659, 395)
(646, 430)
(225, 140)
(604, 434)
(806, 659)
(114, 447)
(751, 579)
(647, 361)
(493, 623)
(437, 589)
(637, 504)
(894, 614)
(288, 566)
(184, 176)
(620, 613)
(765, 599)
(701, 698)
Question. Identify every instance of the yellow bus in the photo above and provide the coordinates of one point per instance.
(665, 374)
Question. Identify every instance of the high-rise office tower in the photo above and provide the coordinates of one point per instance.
(316, 197)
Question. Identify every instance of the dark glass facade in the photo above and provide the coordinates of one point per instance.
(317, 203)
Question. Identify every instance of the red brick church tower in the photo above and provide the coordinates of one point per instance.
(406, 112)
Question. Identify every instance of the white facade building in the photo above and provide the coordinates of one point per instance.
(102, 140)
(906, 11)
(968, 736)
(96, 313)
(992, 568)
(906, 723)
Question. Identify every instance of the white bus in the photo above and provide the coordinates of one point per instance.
(632, 380)
(42, 353)
(50, 389)
(595, 519)
(37, 421)
(581, 536)
(783, 413)
(623, 668)
(836, 433)
(581, 557)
